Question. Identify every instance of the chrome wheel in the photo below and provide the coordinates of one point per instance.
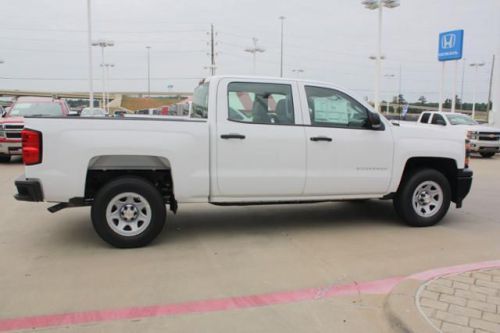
(427, 199)
(128, 214)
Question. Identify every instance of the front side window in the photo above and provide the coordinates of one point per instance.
(329, 107)
(200, 102)
(437, 119)
(260, 103)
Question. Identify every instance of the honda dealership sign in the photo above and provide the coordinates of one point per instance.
(450, 45)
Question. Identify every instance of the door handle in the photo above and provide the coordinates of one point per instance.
(321, 138)
(232, 136)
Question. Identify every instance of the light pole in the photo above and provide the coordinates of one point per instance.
(149, 70)
(299, 71)
(89, 42)
(106, 85)
(476, 65)
(379, 4)
(282, 18)
(103, 44)
(254, 51)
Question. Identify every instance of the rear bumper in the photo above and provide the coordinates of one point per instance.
(28, 189)
(463, 185)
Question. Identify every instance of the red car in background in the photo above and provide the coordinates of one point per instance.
(12, 123)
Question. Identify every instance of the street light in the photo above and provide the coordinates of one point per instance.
(299, 71)
(476, 65)
(379, 4)
(282, 18)
(254, 50)
(89, 44)
(106, 85)
(103, 44)
(149, 70)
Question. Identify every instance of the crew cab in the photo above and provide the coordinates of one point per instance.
(248, 141)
(483, 139)
(12, 122)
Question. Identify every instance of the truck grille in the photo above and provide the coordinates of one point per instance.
(13, 135)
(487, 136)
(13, 131)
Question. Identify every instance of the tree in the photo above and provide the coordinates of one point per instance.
(447, 103)
(422, 100)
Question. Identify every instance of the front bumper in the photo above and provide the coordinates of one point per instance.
(10, 147)
(28, 189)
(485, 146)
(462, 186)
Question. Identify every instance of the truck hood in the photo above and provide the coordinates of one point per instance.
(479, 128)
(425, 132)
(9, 120)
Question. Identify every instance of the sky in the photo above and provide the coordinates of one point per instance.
(43, 43)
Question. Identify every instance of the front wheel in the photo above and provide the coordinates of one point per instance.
(128, 212)
(488, 154)
(424, 198)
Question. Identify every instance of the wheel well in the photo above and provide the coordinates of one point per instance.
(447, 166)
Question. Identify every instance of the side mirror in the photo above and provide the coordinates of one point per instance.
(375, 121)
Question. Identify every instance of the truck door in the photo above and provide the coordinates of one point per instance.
(344, 156)
(260, 149)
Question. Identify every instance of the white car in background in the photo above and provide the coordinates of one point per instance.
(484, 140)
(95, 112)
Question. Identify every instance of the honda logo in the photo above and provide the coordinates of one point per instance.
(448, 41)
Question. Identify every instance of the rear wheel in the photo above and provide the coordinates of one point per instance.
(128, 212)
(4, 158)
(488, 154)
(424, 198)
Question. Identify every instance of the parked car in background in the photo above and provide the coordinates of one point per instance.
(94, 112)
(248, 141)
(12, 121)
(484, 140)
(148, 112)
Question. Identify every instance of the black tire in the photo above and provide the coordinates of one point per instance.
(403, 202)
(488, 154)
(115, 188)
(4, 158)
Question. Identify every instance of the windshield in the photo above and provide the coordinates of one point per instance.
(36, 109)
(460, 119)
(200, 102)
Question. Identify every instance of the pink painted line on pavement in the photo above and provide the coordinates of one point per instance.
(383, 286)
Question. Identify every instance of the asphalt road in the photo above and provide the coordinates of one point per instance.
(55, 263)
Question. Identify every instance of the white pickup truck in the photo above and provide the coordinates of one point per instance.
(248, 141)
(484, 140)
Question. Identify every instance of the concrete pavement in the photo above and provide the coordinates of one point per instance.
(54, 263)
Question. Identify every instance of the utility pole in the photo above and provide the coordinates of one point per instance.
(282, 18)
(254, 50)
(476, 66)
(212, 50)
(489, 105)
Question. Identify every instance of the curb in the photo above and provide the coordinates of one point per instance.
(401, 309)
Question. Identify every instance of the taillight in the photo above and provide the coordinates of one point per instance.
(32, 147)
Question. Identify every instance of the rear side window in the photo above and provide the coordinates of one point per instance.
(200, 102)
(425, 118)
(260, 103)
